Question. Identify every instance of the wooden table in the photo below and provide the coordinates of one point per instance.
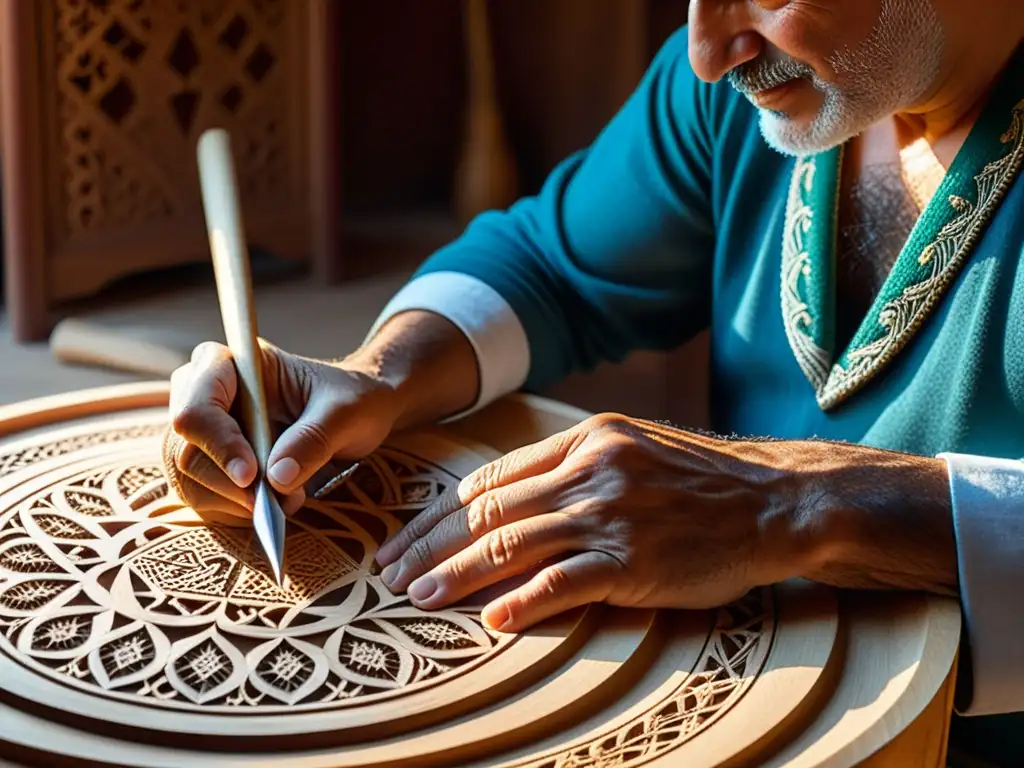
(209, 664)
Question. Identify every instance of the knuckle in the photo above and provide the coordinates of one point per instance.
(189, 460)
(489, 475)
(618, 445)
(485, 514)
(421, 554)
(191, 419)
(191, 494)
(605, 421)
(208, 350)
(552, 581)
(503, 545)
(317, 435)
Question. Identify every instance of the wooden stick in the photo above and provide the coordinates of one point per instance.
(238, 312)
(485, 176)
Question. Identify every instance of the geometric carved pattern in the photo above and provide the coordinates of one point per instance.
(725, 672)
(12, 462)
(126, 595)
(138, 81)
(112, 594)
(112, 590)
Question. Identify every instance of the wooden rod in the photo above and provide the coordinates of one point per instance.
(24, 241)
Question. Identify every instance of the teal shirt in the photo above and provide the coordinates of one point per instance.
(679, 217)
(673, 220)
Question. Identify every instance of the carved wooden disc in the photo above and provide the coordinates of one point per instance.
(131, 632)
(116, 597)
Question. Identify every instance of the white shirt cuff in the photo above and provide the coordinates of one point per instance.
(988, 518)
(483, 316)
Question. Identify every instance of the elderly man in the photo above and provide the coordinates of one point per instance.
(833, 187)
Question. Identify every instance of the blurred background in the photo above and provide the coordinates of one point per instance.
(366, 134)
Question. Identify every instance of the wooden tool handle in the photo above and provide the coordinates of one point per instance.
(234, 284)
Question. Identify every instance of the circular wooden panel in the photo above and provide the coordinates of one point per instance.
(131, 632)
(121, 603)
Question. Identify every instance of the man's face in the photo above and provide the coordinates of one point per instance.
(819, 71)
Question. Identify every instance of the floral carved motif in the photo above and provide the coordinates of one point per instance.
(110, 585)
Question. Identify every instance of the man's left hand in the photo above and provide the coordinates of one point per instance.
(618, 510)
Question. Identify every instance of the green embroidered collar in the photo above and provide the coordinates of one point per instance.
(937, 248)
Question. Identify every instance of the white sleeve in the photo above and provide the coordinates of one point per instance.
(486, 319)
(988, 518)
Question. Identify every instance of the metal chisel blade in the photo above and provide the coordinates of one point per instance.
(269, 521)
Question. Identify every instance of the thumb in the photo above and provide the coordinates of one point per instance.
(309, 443)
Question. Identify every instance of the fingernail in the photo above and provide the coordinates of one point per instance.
(238, 471)
(389, 575)
(284, 471)
(496, 617)
(384, 556)
(423, 588)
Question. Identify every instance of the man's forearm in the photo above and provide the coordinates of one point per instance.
(883, 520)
(428, 362)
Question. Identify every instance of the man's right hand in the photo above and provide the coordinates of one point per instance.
(330, 411)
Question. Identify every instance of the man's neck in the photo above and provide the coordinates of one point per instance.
(945, 118)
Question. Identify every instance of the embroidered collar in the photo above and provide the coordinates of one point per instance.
(938, 246)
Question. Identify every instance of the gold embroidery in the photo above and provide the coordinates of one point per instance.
(902, 316)
(796, 264)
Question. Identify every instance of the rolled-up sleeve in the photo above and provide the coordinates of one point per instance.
(485, 319)
(988, 516)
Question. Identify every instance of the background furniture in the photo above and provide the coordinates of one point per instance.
(103, 101)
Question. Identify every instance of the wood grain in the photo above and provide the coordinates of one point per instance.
(325, 137)
(23, 199)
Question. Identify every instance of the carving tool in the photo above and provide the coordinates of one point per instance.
(335, 482)
(237, 307)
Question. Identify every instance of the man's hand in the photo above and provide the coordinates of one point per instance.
(633, 513)
(330, 411)
(622, 511)
(417, 368)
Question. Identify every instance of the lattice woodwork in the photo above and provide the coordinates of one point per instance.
(104, 102)
(137, 83)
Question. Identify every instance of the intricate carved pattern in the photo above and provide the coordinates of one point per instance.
(131, 599)
(728, 667)
(138, 80)
(12, 462)
(902, 316)
(135, 478)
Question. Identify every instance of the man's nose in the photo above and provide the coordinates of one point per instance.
(722, 36)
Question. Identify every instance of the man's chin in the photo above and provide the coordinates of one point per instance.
(794, 137)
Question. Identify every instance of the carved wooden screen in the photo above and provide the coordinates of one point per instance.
(123, 89)
(133, 633)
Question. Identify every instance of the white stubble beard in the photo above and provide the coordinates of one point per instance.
(892, 69)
